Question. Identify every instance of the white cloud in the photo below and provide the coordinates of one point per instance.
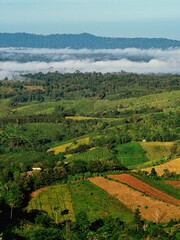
(160, 61)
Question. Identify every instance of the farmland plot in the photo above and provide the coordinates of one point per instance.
(172, 166)
(175, 183)
(56, 201)
(145, 188)
(151, 209)
(70, 145)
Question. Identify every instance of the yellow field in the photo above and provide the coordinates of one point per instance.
(157, 150)
(70, 145)
(172, 166)
(32, 88)
(79, 118)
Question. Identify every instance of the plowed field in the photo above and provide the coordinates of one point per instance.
(145, 188)
(151, 209)
(174, 183)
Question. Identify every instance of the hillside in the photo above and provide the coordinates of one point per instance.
(84, 40)
(89, 155)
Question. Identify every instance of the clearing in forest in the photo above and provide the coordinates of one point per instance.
(151, 209)
(172, 166)
(145, 188)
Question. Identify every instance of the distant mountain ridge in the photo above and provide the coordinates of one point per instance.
(83, 40)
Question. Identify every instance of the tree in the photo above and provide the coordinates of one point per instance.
(14, 197)
(153, 173)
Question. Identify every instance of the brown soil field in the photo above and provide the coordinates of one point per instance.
(151, 209)
(175, 183)
(172, 166)
(145, 188)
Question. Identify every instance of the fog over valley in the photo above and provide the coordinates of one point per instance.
(16, 61)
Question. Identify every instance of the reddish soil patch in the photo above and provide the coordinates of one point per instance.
(175, 183)
(10, 90)
(145, 188)
(151, 209)
(35, 193)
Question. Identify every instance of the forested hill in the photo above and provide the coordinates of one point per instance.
(84, 40)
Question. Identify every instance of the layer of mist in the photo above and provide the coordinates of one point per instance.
(16, 61)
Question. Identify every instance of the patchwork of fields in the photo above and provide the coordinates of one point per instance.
(144, 187)
(117, 196)
(150, 208)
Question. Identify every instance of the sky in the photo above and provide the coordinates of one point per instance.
(113, 18)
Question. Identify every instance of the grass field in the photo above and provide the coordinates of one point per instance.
(99, 153)
(88, 107)
(71, 145)
(157, 150)
(131, 154)
(77, 197)
(54, 201)
(96, 202)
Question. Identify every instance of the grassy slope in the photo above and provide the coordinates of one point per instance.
(100, 153)
(157, 150)
(77, 197)
(131, 154)
(166, 100)
(54, 200)
(96, 202)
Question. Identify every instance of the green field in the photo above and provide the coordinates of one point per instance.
(89, 107)
(77, 197)
(131, 154)
(55, 200)
(99, 153)
(96, 202)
